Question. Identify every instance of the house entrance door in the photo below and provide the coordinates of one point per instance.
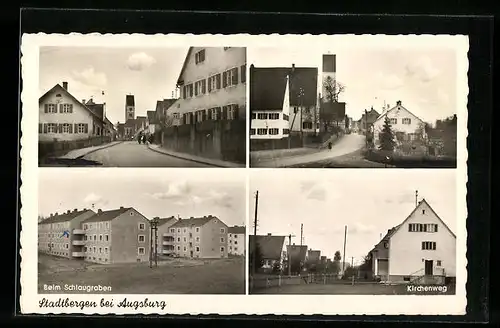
(429, 267)
(191, 253)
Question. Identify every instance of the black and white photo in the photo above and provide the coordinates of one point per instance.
(142, 233)
(348, 107)
(365, 233)
(142, 107)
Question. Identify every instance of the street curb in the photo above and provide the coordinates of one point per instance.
(94, 150)
(188, 159)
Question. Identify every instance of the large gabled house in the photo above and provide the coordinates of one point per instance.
(270, 248)
(422, 248)
(62, 117)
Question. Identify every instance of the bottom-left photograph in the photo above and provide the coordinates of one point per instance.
(141, 231)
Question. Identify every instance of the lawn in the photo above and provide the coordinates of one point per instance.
(174, 276)
(345, 289)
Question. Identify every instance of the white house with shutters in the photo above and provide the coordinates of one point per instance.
(63, 118)
(422, 248)
(212, 85)
(405, 125)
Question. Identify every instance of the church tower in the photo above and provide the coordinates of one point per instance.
(329, 72)
(129, 107)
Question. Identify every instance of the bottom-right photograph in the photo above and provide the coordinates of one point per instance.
(365, 232)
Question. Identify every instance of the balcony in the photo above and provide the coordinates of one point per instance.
(167, 234)
(78, 254)
(78, 242)
(168, 242)
(167, 251)
(78, 231)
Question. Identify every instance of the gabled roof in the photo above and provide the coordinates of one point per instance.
(423, 201)
(236, 229)
(268, 84)
(184, 65)
(64, 217)
(151, 114)
(129, 100)
(270, 246)
(107, 215)
(165, 103)
(97, 109)
(162, 221)
(297, 251)
(197, 222)
(384, 114)
(56, 87)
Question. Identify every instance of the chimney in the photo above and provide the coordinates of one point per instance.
(252, 66)
(65, 86)
(121, 207)
(269, 234)
(293, 68)
(51, 215)
(398, 103)
(68, 211)
(75, 210)
(99, 211)
(156, 218)
(83, 101)
(56, 214)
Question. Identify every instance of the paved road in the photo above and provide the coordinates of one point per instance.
(132, 154)
(349, 143)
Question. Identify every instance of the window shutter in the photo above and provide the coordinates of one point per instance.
(219, 113)
(235, 76)
(70, 128)
(76, 128)
(243, 73)
(224, 112)
(45, 128)
(71, 108)
(46, 108)
(203, 86)
(196, 88)
(235, 111)
(204, 115)
(191, 90)
(60, 108)
(217, 81)
(224, 79)
(86, 128)
(209, 80)
(191, 119)
(40, 127)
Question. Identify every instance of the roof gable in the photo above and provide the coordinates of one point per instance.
(195, 222)
(400, 107)
(102, 216)
(186, 60)
(236, 230)
(64, 217)
(420, 204)
(270, 246)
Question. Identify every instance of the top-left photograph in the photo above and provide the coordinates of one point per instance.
(142, 107)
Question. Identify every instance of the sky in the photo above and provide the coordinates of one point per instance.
(369, 202)
(424, 81)
(153, 192)
(149, 74)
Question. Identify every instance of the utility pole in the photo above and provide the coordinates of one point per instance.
(254, 257)
(153, 239)
(343, 257)
(290, 254)
(416, 198)
(301, 233)
(366, 127)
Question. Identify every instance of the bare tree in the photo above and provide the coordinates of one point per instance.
(333, 89)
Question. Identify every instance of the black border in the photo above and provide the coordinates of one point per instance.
(480, 31)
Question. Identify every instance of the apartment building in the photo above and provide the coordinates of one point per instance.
(64, 118)
(116, 236)
(421, 247)
(203, 237)
(237, 240)
(61, 234)
(164, 245)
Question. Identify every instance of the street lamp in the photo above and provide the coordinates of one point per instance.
(301, 103)
(154, 247)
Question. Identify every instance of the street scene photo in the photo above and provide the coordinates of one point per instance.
(142, 107)
(141, 232)
(353, 232)
(338, 107)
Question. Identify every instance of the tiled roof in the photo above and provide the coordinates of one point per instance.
(270, 246)
(107, 215)
(97, 109)
(151, 114)
(297, 251)
(64, 217)
(129, 100)
(236, 229)
(267, 86)
(193, 221)
(162, 221)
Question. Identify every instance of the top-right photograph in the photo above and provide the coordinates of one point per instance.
(373, 107)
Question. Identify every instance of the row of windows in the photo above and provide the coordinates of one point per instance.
(422, 227)
(197, 229)
(99, 225)
(94, 250)
(63, 128)
(429, 245)
(197, 249)
(63, 108)
(270, 131)
(227, 112)
(222, 239)
(96, 259)
(94, 237)
(51, 234)
(269, 116)
(54, 226)
(403, 121)
(58, 245)
(213, 83)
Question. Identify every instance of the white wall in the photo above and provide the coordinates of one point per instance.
(405, 248)
(239, 247)
(217, 60)
(398, 113)
(279, 124)
(79, 115)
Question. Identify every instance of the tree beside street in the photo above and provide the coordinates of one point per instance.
(386, 137)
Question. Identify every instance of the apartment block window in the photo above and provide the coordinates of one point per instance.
(85, 226)
(51, 128)
(420, 227)
(221, 239)
(429, 245)
(200, 87)
(214, 83)
(274, 131)
(142, 226)
(215, 113)
(197, 248)
(85, 249)
(178, 248)
(172, 230)
(261, 131)
(178, 230)
(66, 128)
(93, 250)
(184, 239)
(230, 77)
(286, 117)
(141, 250)
(100, 249)
(85, 237)
(95, 237)
(66, 108)
(307, 125)
(262, 116)
(286, 131)
(438, 263)
(178, 239)
(236, 242)
(197, 229)
(67, 245)
(222, 230)
(100, 237)
(274, 116)
(106, 237)
(197, 239)
(199, 57)
(252, 132)
(82, 128)
(200, 115)
(232, 112)
(394, 121)
(50, 108)
(222, 249)
(185, 249)
(141, 238)
(107, 225)
(185, 230)
(406, 120)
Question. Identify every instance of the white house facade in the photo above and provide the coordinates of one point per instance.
(405, 125)
(63, 118)
(236, 240)
(421, 247)
(212, 85)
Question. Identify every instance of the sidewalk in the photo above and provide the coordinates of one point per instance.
(274, 154)
(77, 153)
(194, 158)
